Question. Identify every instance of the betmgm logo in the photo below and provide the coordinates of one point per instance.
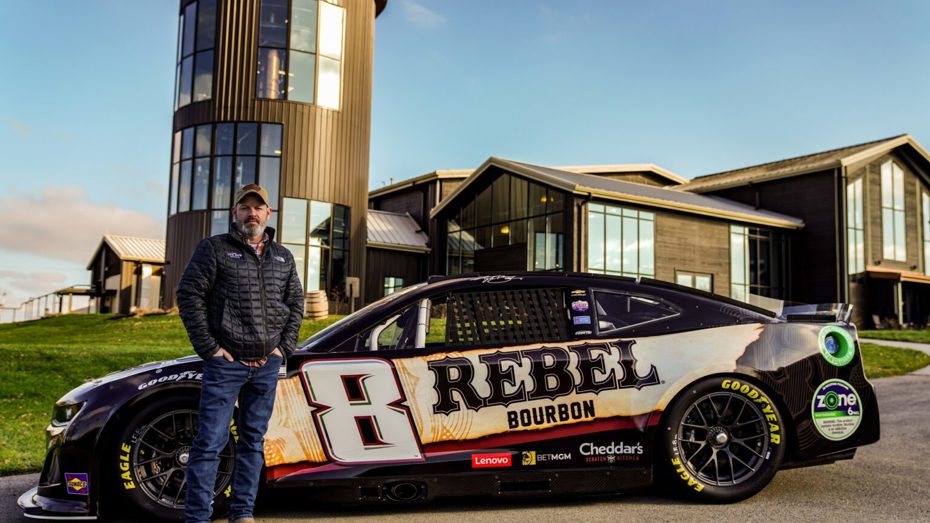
(528, 458)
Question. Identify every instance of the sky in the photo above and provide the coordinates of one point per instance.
(694, 86)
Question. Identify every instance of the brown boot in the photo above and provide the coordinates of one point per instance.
(242, 520)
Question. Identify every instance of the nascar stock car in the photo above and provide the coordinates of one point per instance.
(498, 385)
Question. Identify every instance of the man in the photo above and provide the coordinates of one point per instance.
(242, 303)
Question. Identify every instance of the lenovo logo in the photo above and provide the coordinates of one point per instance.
(483, 461)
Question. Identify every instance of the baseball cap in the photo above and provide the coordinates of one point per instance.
(251, 188)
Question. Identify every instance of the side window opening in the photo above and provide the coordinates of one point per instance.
(514, 316)
(395, 333)
(407, 329)
(620, 311)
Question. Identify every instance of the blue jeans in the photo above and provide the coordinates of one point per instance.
(223, 383)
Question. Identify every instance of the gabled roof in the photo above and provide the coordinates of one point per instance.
(395, 231)
(624, 168)
(629, 192)
(129, 248)
(442, 174)
(799, 165)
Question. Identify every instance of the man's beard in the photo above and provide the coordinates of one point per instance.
(251, 230)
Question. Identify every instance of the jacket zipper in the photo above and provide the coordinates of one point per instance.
(261, 288)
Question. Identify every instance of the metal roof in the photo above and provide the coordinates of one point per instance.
(396, 231)
(630, 192)
(442, 174)
(799, 165)
(624, 168)
(129, 248)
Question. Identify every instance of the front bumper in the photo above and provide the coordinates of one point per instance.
(40, 507)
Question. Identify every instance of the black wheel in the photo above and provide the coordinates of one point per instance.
(723, 440)
(152, 457)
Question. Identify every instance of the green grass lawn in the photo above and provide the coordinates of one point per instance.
(882, 361)
(44, 359)
(918, 336)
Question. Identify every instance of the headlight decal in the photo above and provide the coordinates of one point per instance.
(63, 414)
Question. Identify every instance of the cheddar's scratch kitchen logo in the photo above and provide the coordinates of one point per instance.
(545, 373)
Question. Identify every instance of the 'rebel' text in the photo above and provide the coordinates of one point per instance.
(532, 374)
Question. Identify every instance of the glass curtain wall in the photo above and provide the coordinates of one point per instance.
(510, 211)
(855, 228)
(300, 46)
(758, 263)
(893, 238)
(210, 162)
(739, 263)
(317, 233)
(925, 207)
(196, 43)
(621, 241)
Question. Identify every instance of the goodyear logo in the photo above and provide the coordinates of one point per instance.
(76, 483)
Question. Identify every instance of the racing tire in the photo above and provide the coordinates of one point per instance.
(151, 460)
(723, 440)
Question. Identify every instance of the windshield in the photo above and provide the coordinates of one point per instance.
(357, 314)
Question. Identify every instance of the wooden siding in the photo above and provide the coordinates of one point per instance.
(412, 200)
(686, 243)
(381, 263)
(325, 152)
(448, 187)
(814, 262)
(180, 247)
(127, 289)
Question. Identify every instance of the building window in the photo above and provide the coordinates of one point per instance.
(196, 42)
(392, 284)
(621, 241)
(209, 162)
(510, 212)
(758, 263)
(739, 263)
(855, 228)
(300, 46)
(695, 280)
(893, 238)
(317, 233)
(925, 206)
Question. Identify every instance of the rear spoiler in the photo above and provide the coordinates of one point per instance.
(819, 313)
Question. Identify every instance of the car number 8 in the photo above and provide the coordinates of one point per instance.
(359, 411)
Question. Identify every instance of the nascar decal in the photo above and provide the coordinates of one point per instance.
(371, 409)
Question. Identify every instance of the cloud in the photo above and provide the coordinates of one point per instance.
(16, 287)
(21, 128)
(30, 282)
(420, 15)
(61, 223)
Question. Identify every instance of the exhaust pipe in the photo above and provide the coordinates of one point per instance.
(404, 491)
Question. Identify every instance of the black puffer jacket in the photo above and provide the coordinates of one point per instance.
(248, 304)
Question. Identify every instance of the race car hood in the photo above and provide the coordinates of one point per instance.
(136, 375)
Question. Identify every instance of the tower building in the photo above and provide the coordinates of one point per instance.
(276, 92)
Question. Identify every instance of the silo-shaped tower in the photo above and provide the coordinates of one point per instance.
(276, 92)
